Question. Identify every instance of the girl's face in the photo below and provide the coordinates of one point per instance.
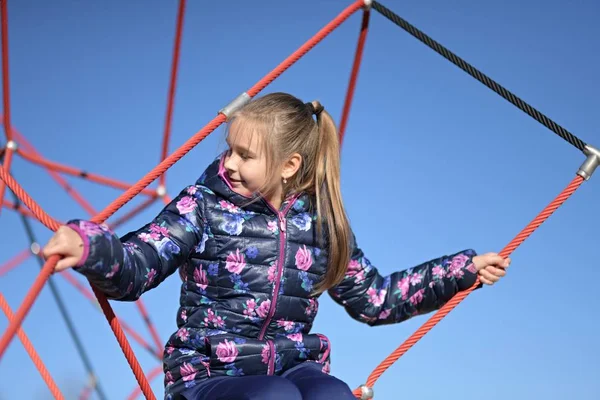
(245, 161)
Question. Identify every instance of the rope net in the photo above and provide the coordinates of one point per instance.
(18, 145)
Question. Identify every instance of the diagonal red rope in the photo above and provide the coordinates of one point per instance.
(41, 279)
(15, 261)
(443, 311)
(172, 86)
(364, 27)
(39, 364)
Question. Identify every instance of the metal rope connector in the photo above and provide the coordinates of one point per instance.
(35, 248)
(366, 393)
(161, 191)
(12, 145)
(591, 163)
(368, 4)
(235, 105)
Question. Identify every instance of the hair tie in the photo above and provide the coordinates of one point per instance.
(315, 110)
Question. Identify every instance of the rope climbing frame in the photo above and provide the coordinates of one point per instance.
(17, 145)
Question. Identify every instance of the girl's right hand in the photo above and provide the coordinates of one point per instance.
(66, 243)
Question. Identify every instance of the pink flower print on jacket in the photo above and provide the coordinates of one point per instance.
(235, 262)
(457, 265)
(183, 334)
(272, 226)
(377, 297)
(227, 206)
(186, 205)
(214, 320)
(287, 325)
(159, 230)
(312, 308)
(271, 272)
(265, 354)
(355, 270)
(296, 337)
(250, 308)
(303, 258)
(263, 310)
(403, 287)
(417, 297)
(200, 278)
(188, 372)
(226, 351)
(91, 229)
(438, 272)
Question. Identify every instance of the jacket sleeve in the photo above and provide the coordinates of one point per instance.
(124, 268)
(374, 299)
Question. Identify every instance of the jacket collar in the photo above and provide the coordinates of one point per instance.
(215, 178)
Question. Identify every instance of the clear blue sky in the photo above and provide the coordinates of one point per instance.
(434, 162)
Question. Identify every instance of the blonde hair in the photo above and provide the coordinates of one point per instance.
(287, 126)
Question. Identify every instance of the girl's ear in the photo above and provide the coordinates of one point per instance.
(291, 166)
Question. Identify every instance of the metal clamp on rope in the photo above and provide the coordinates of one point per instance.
(235, 105)
(161, 191)
(12, 145)
(368, 4)
(591, 163)
(366, 393)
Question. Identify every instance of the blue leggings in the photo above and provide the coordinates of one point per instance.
(304, 382)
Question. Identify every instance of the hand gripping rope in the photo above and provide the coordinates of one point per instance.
(364, 391)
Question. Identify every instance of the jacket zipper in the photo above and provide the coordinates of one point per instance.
(271, 366)
(282, 229)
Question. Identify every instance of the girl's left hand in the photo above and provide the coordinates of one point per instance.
(490, 267)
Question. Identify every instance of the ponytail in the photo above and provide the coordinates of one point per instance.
(288, 127)
(330, 207)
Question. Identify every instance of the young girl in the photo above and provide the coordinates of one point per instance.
(257, 239)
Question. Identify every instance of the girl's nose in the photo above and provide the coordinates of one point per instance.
(230, 164)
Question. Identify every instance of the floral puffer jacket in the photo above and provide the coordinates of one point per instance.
(248, 271)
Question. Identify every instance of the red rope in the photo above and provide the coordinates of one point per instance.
(15, 261)
(443, 311)
(305, 48)
(354, 74)
(39, 364)
(5, 75)
(52, 165)
(146, 317)
(153, 374)
(8, 155)
(41, 279)
(68, 275)
(172, 86)
(20, 210)
(59, 179)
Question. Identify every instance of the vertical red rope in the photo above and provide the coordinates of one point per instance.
(39, 364)
(354, 74)
(5, 75)
(172, 86)
(68, 275)
(5, 93)
(305, 48)
(146, 317)
(443, 311)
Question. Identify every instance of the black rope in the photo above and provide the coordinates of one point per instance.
(63, 311)
(480, 76)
